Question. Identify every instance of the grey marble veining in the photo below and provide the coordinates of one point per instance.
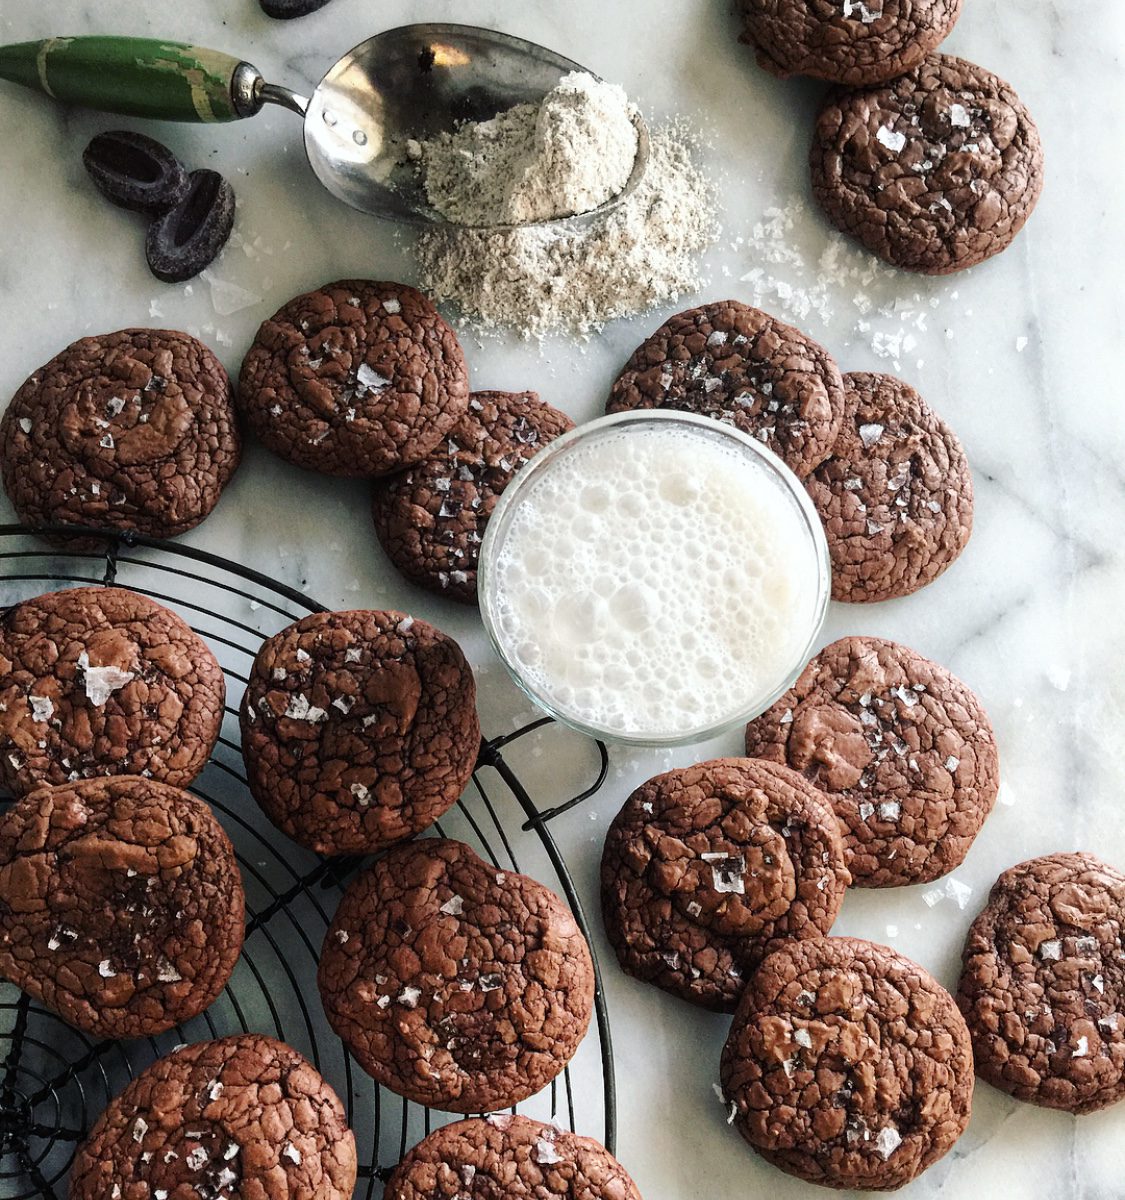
(1031, 616)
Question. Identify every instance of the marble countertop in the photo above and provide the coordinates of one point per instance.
(1019, 355)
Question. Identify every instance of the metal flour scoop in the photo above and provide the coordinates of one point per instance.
(408, 83)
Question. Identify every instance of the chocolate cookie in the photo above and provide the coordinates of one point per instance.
(896, 497)
(848, 1065)
(121, 904)
(240, 1118)
(356, 378)
(740, 365)
(902, 748)
(509, 1156)
(1043, 983)
(128, 430)
(430, 518)
(706, 868)
(456, 985)
(934, 172)
(359, 729)
(104, 681)
(854, 42)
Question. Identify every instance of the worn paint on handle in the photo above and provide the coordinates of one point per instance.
(139, 77)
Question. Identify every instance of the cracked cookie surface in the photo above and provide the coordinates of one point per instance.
(896, 495)
(706, 868)
(509, 1156)
(240, 1118)
(430, 518)
(935, 171)
(359, 729)
(455, 984)
(902, 748)
(1043, 983)
(740, 365)
(853, 42)
(103, 681)
(128, 430)
(121, 904)
(848, 1065)
(356, 378)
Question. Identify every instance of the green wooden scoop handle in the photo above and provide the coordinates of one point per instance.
(140, 77)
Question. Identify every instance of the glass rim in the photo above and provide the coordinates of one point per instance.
(542, 461)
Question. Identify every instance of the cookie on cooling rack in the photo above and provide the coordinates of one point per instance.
(128, 430)
(121, 904)
(359, 729)
(356, 378)
(705, 869)
(511, 1156)
(241, 1117)
(454, 984)
(430, 519)
(104, 681)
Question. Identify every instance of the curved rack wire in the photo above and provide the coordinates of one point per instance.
(55, 1081)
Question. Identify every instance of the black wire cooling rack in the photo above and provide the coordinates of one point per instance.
(55, 1081)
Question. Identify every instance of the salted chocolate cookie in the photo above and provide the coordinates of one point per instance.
(902, 748)
(854, 42)
(509, 1156)
(430, 518)
(896, 497)
(740, 365)
(128, 430)
(240, 1118)
(356, 378)
(104, 681)
(848, 1065)
(359, 729)
(1043, 983)
(707, 868)
(121, 904)
(454, 984)
(933, 172)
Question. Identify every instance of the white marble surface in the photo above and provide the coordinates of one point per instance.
(1031, 615)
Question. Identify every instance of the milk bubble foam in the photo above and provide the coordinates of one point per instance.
(656, 578)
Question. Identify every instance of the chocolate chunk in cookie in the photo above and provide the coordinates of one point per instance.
(896, 497)
(707, 868)
(356, 378)
(454, 984)
(238, 1118)
(848, 1065)
(934, 172)
(509, 1156)
(104, 681)
(902, 748)
(430, 518)
(1043, 983)
(854, 42)
(121, 904)
(740, 365)
(128, 430)
(359, 729)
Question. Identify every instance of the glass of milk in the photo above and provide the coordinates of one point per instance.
(654, 578)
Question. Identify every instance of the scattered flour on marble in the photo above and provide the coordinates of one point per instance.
(546, 280)
(800, 270)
